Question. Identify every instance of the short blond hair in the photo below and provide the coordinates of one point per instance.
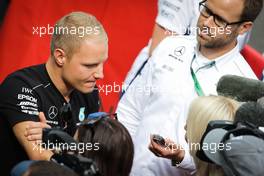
(74, 28)
(202, 110)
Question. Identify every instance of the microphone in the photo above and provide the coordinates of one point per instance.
(240, 88)
(250, 113)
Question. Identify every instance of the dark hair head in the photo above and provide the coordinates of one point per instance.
(43, 168)
(251, 10)
(250, 112)
(116, 151)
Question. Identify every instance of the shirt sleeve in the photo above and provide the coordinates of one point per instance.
(166, 107)
(188, 162)
(175, 15)
(164, 115)
(18, 102)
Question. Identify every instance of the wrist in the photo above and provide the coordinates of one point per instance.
(177, 160)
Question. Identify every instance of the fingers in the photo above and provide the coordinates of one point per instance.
(169, 141)
(33, 131)
(153, 151)
(37, 125)
(42, 117)
(35, 137)
(171, 150)
(155, 148)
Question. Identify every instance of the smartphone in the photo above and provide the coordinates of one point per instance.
(158, 139)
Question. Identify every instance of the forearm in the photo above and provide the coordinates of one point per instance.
(159, 33)
(32, 148)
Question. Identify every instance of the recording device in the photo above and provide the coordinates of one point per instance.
(67, 157)
(240, 88)
(223, 124)
(250, 113)
(158, 139)
(56, 137)
(79, 164)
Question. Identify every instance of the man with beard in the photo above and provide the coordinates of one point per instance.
(173, 18)
(180, 69)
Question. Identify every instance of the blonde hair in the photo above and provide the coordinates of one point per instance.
(201, 112)
(74, 28)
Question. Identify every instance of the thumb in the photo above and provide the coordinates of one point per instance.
(42, 117)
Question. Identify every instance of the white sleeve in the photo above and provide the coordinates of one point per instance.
(130, 106)
(188, 162)
(175, 15)
(164, 112)
(166, 109)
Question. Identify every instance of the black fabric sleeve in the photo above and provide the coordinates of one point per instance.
(18, 102)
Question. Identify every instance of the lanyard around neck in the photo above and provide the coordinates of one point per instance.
(197, 85)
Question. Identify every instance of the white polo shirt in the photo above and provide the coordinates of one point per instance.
(178, 16)
(158, 100)
(182, 15)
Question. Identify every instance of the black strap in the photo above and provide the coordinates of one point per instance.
(138, 73)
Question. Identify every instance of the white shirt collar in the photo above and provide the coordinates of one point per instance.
(219, 61)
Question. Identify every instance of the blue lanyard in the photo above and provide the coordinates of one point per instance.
(197, 85)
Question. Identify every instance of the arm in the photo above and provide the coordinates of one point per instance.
(174, 17)
(33, 150)
(20, 116)
(165, 110)
(159, 33)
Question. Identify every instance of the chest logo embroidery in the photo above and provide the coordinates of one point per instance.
(53, 111)
(179, 51)
(81, 114)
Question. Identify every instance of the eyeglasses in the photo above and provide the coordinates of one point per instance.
(219, 21)
(96, 117)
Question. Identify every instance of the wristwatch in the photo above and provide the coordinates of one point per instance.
(175, 162)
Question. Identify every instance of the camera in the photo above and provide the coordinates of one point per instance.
(66, 157)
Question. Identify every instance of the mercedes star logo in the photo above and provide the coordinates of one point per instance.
(53, 111)
(179, 51)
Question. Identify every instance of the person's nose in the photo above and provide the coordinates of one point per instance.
(208, 22)
(99, 73)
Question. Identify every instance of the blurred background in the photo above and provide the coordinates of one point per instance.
(128, 24)
(257, 37)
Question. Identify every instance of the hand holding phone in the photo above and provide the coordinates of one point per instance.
(158, 139)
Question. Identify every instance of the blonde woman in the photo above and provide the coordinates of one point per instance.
(202, 110)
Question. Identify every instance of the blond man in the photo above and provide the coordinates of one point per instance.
(33, 98)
